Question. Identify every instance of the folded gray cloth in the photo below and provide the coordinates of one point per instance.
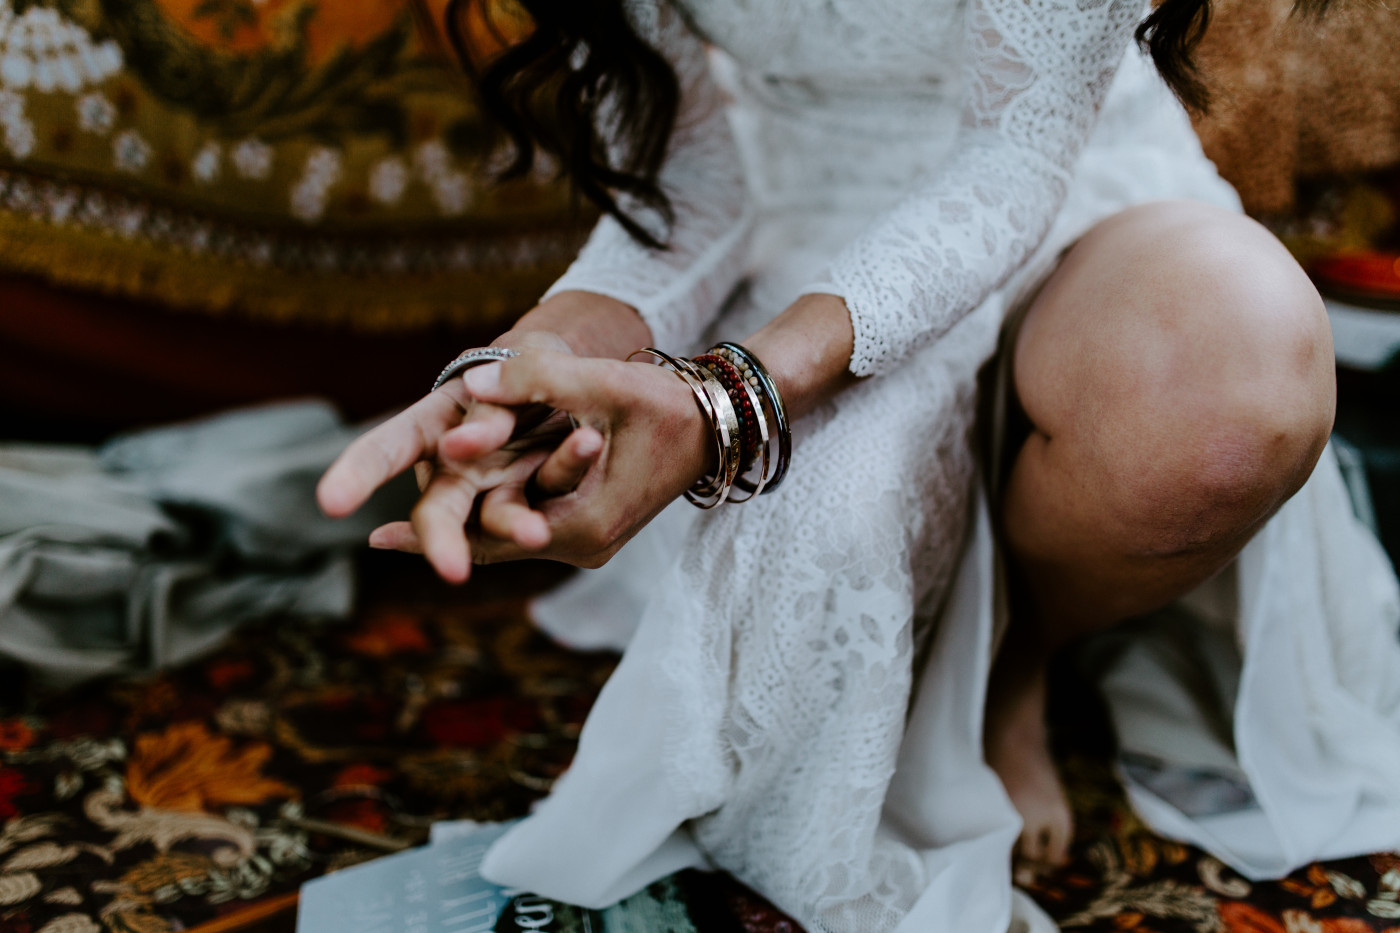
(147, 551)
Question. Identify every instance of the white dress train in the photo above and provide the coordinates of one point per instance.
(801, 695)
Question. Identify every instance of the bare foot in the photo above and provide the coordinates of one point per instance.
(1018, 749)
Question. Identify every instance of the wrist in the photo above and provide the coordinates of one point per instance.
(689, 442)
(808, 349)
(516, 339)
(587, 323)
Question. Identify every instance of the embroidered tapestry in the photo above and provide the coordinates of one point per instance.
(288, 159)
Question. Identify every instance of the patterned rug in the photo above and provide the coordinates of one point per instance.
(201, 798)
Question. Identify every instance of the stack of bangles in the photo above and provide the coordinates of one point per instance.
(746, 414)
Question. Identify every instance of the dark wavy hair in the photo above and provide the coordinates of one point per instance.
(1172, 32)
(585, 89)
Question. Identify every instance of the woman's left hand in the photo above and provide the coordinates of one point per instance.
(655, 444)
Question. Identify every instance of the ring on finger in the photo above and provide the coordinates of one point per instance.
(477, 356)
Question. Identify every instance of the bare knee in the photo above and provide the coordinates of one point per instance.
(1224, 478)
(1182, 361)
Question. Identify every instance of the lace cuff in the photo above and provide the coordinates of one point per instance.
(1036, 74)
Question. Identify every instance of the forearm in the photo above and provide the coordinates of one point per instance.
(807, 350)
(591, 324)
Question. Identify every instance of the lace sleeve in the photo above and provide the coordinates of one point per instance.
(1036, 73)
(679, 290)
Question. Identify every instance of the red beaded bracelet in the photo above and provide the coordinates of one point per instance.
(733, 383)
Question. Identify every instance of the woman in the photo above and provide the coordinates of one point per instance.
(801, 701)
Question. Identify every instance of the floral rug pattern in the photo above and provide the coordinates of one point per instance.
(1124, 877)
(196, 795)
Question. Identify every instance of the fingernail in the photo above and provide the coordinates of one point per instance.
(484, 380)
(588, 444)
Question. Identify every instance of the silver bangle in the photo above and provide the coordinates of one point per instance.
(755, 375)
(469, 358)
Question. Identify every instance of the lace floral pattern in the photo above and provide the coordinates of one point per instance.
(1036, 74)
(796, 646)
(1031, 80)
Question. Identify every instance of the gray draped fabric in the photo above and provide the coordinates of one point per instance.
(146, 551)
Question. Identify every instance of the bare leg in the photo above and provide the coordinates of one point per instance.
(1177, 373)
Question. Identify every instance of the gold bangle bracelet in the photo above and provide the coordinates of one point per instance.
(728, 427)
(710, 490)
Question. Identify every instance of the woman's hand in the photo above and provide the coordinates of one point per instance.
(652, 443)
(460, 448)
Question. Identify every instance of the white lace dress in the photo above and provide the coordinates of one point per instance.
(800, 700)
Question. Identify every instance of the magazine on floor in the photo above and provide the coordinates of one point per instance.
(438, 888)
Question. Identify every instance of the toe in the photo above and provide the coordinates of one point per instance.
(1059, 834)
(1032, 844)
(1045, 839)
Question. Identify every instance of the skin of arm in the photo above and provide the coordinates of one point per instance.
(589, 325)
